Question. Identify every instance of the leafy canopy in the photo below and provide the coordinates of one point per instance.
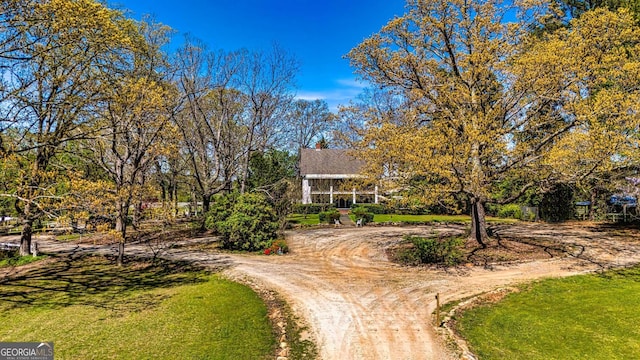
(484, 100)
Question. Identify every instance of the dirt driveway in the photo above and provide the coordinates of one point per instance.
(361, 306)
(358, 305)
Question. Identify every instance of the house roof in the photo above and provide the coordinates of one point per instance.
(329, 162)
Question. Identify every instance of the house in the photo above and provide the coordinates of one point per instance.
(324, 175)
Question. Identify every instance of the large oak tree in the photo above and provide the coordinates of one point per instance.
(487, 99)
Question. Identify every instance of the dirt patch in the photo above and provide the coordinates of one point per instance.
(498, 250)
(501, 250)
(361, 305)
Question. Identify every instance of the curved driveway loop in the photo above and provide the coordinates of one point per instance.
(358, 305)
(361, 306)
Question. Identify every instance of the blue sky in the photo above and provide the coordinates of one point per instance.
(318, 32)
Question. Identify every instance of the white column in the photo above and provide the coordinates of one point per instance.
(331, 194)
(377, 201)
(354, 195)
(306, 192)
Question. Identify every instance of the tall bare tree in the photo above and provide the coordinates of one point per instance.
(306, 122)
(267, 80)
(369, 106)
(135, 120)
(210, 116)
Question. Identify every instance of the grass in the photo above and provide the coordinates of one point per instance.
(92, 309)
(20, 260)
(581, 317)
(309, 219)
(383, 218)
(69, 237)
(312, 219)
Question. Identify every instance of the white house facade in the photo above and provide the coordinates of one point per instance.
(325, 174)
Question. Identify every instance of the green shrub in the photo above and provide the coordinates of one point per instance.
(362, 213)
(512, 211)
(491, 209)
(374, 208)
(220, 209)
(414, 210)
(311, 208)
(329, 216)
(252, 225)
(447, 251)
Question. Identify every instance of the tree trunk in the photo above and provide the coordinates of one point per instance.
(478, 223)
(163, 195)
(121, 229)
(206, 204)
(137, 215)
(592, 206)
(174, 197)
(247, 160)
(25, 237)
(28, 214)
(120, 260)
(245, 176)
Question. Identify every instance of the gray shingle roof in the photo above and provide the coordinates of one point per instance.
(329, 162)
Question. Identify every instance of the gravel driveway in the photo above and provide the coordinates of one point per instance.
(359, 305)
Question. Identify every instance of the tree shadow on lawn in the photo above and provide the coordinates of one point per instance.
(504, 249)
(95, 281)
(510, 243)
(628, 232)
(565, 243)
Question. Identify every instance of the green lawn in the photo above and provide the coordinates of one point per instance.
(309, 219)
(92, 309)
(69, 237)
(312, 219)
(581, 317)
(382, 218)
(19, 260)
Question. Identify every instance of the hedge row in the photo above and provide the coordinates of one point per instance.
(312, 208)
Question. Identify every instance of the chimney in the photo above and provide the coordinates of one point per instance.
(318, 146)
